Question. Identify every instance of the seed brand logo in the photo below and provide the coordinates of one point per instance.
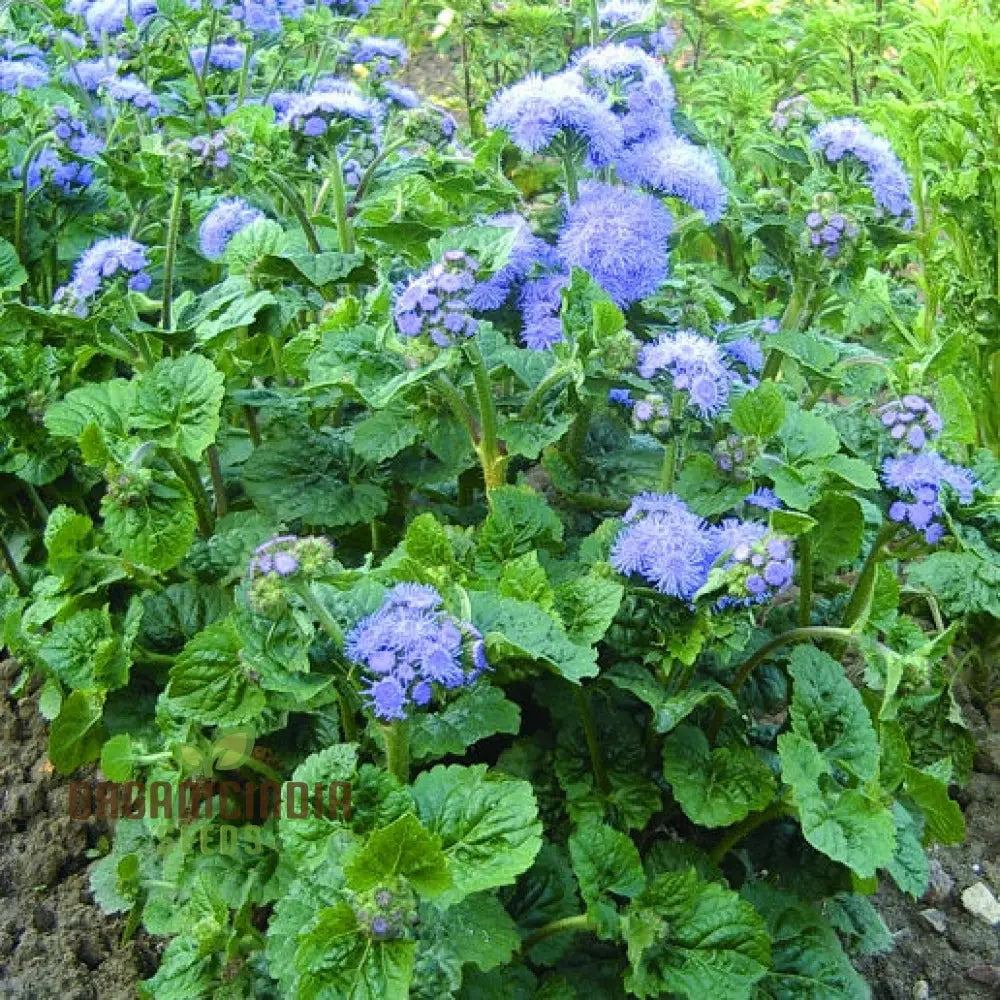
(203, 797)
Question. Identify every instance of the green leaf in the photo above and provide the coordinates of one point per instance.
(529, 438)
(488, 824)
(336, 958)
(117, 758)
(855, 470)
(518, 630)
(50, 699)
(705, 490)
(239, 311)
(12, 274)
(476, 713)
(943, 819)
(715, 787)
(857, 922)
(384, 434)
(519, 520)
(85, 652)
(587, 606)
(807, 435)
(304, 474)
(318, 269)
(805, 347)
(807, 960)
(827, 709)
(836, 539)
(77, 735)
(66, 537)
(606, 862)
(525, 579)
(760, 413)
(155, 529)
(793, 487)
(179, 399)
(962, 582)
(909, 867)
(208, 682)
(108, 404)
(477, 931)
(403, 848)
(790, 522)
(669, 710)
(427, 542)
(956, 411)
(844, 824)
(695, 940)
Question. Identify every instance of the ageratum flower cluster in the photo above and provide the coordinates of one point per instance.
(73, 133)
(67, 178)
(828, 230)
(107, 260)
(209, 151)
(227, 56)
(388, 912)
(278, 559)
(695, 365)
(435, 304)
(919, 477)
(411, 648)
(674, 550)
(340, 110)
(383, 55)
(887, 178)
(911, 421)
(227, 218)
(21, 74)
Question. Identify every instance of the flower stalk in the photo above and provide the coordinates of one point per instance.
(173, 231)
(397, 750)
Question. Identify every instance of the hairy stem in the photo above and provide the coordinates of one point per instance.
(797, 303)
(805, 581)
(345, 232)
(593, 743)
(173, 231)
(494, 464)
(743, 830)
(298, 209)
(580, 922)
(861, 593)
(572, 184)
(218, 484)
(10, 565)
(397, 750)
(186, 472)
(319, 612)
(808, 634)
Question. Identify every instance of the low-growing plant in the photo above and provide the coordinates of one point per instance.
(617, 539)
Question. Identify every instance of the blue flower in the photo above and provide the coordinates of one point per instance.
(21, 74)
(131, 90)
(620, 397)
(91, 73)
(747, 352)
(619, 237)
(919, 477)
(435, 304)
(666, 544)
(911, 421)
(108, 17)
(527, 251)
(403, 96)
(106, 260)
(224, 55)
(615, 13)
(887, 178)
(765, 498)
(676, 167)
(539, 110)
(540, 301)
(312, 114)
(635, 85)
(227, 218)
(757, 562)
(694, 364)
(410, 646)
(381, 51)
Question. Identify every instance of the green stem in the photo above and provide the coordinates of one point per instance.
(397, 750)
(173, 230)
(250, 422)
(569, 169)
(241, 93)
(577, 436)
(21, 201)
(295, 204)
(808, 634)
(275, 345)
(325, 619)
(10, 564)
(218, 483)
(345, 232)
(805, 581)
(595, 24)
(369, 173)
(459, 407)
(188, 475)
(861, 593)
(593, 743)
(532, 403)
(37, 502)
(141, 655)
(347, 723)
(580, 922)
(801, 294)
(743, 830)
(494, 464)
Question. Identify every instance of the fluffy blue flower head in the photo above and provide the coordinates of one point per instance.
(634, 84)
(131, 90)
(695, 365)
(435, 304)
(540, 110)
(527, 251)
(616, 13)
(887, 178)
(108, 17)
(107, 260)
(224, 55)
(91, 73)
(620, 238)
(673, 166)
(540, 301)
(918, 478)
(411, 648)
(664, 544)
(21, 74)
(756, 563)
(911, 421)
(312, 115)
(226, 219)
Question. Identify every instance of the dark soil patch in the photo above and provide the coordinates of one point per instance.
(961, 961)
(54, 942)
